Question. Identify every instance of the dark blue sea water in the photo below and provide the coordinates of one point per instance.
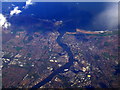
(74, 15)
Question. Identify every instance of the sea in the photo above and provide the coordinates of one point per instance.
(83, 15)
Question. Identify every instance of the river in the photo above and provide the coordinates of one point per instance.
(61, 69)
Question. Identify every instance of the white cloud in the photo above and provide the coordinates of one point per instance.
(3, 21)
(108, 18)
(12, 4)
(15, 11)
(28, 2)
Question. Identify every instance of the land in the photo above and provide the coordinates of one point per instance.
(28, 58)
(97, 57)
(88, 32)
